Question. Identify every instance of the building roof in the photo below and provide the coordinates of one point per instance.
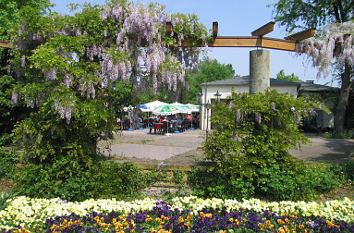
(311, 87)
(245, 81)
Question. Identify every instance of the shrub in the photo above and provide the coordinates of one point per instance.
(112, 179)
(346, 134)
(207, 182)
(8, 161)
(277, 183)
(348, 170)
(313, 179)
(344, 171)
(248, 150)
(297, 181)
(68, 179)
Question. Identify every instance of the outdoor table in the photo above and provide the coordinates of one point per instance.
(170, 126)
(157, 126)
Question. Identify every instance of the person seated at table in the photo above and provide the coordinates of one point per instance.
(126, 123)
(173, 118)
(151, 123)
(185, 124)
(140, 123)
(161, 119)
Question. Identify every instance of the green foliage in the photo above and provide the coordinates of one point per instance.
(345, 171)
(309, 14)
(73, 74)
(210, 182)
(208, 70)
(291, 77)
(4, 198)
(242, 230)
(178, 177)
(291, 181)
(10, 11)
(8, 160)
(348, 170)
(248, 150)
(346, 134)
(296, 14)
(68, 179)
(297, 181)
(9, 114)
(6, 109)
(314, 179)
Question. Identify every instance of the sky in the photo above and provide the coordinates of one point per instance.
(235, 18)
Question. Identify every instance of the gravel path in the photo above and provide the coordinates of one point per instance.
(184, 148)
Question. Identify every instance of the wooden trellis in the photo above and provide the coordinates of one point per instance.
(4, 44)
(256, 39)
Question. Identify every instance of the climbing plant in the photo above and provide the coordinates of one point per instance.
(248, 149)
(70, 68)
(333, 44)
(333, 47)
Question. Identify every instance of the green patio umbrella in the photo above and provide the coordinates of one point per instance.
(182, 108)
(193, 107)
(165, 110)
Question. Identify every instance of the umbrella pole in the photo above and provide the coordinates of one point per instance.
(192, 121)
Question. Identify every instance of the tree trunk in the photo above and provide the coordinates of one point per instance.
(342, 102)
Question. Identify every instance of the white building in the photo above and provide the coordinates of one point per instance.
(225, 88)
(238, 85)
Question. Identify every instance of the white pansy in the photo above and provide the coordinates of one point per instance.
(32, 213)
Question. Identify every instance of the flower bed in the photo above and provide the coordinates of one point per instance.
(181, 215)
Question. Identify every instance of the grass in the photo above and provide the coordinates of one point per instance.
(146, 141)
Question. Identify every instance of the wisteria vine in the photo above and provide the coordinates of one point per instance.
(334, 43)
(131, 44)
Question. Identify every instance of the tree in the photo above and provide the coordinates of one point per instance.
(291, 77)
(306, 13)
(70, 71)
(208, 70)
(9, 17)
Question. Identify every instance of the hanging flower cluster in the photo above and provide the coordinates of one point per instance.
(115, 65)
(14, 98)
(172, 73)
(334, 43)
(144, 27)
(122, 41)
(65, 112)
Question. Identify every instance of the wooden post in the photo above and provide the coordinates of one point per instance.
(215, 29)
(259, 70)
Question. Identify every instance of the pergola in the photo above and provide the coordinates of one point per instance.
(5, 44)
(257, 39)
(259, 58)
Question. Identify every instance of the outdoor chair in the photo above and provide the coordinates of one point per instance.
(158, 128)
(126, 124)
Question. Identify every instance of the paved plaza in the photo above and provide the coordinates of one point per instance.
(185, 148)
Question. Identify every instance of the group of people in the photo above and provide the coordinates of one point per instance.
(172, 123)
(159, 124)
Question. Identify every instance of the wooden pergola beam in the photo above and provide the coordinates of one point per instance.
(249, 41)
(215, 29)
(302, 35)
(169, 27)
(265, 29)
(241, 41)
(4, 44)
